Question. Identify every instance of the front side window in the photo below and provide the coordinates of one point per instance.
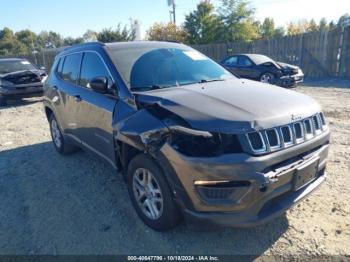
(92, 67)
(148, 68)
(71, 66)
(232, 61)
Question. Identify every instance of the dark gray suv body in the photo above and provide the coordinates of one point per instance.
(190, 139)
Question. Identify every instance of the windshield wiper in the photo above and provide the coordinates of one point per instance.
(146, 88)
(210, 80)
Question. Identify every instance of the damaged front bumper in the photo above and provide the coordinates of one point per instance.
(245, 190)
(290, 80)
(24, 90)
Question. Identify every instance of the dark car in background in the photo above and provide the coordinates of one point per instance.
(263, 69)
(19, 78)
(189, 137)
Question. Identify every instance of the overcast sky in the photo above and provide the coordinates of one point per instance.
(74, 17)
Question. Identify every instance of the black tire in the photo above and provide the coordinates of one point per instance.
(3, 101)
(65, 146)
(170, 215)
(267, 78)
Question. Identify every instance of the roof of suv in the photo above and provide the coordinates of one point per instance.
(138, 44)
(121, 45)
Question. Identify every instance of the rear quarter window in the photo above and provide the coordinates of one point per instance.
(59, 66)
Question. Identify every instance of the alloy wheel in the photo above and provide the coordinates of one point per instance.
(266, 78)
(56, 133)
(147, 193)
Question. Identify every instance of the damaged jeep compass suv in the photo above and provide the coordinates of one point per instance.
(190, 139)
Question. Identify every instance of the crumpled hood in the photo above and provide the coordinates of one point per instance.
(23, 77)
(232, 106)
(287, 66)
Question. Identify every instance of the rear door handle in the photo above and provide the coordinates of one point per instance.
(77, 98)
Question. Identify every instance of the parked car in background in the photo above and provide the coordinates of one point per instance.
(189, 137)
(263, 69)
(19, 78)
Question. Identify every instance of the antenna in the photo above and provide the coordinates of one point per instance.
(173, 12)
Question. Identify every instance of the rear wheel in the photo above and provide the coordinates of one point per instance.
(150, 194)
(61, 144)
(3, 101)
(267, 78)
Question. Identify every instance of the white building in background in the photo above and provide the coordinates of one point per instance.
(136, 25)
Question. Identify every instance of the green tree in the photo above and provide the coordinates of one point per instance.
(331, 25)
(344, 19)
(28, 38)
(9, 44)
(267, 29)
(90, 36)
(50, 40)
(237, 16)
(323, 26)
(202, 25)
(68, 41)
(312, 26)
(119, 34)
(280, 32)
(300, 27)
(166, 32)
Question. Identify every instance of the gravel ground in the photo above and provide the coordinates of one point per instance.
(52, 204)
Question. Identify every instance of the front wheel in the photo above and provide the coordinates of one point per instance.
(267, 78)
(150, 194)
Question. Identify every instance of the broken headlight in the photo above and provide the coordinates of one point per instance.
(203, 146)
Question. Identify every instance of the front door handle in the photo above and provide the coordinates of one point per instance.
(77, 98)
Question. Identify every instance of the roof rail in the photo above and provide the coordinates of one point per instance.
(84, 45)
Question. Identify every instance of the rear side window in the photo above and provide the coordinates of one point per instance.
(244, 61)
(71, 66)
(91, 67)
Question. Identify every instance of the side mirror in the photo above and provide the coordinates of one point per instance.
(42, 68)
(99, 84)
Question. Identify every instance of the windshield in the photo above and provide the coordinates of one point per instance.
(10, 66)
(260, 59)
(151, 68)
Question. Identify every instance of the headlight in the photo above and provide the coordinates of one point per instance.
(200, 146)
(43, 79)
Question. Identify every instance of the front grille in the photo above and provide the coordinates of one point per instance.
(288, 135)
(298, 131)
(323, 120)
(273, 138)
(308, 129)
(256, 141)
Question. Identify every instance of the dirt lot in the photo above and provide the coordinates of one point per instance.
(52, 204)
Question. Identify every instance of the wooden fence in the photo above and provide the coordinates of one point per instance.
(44, 58)
(318, 53)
